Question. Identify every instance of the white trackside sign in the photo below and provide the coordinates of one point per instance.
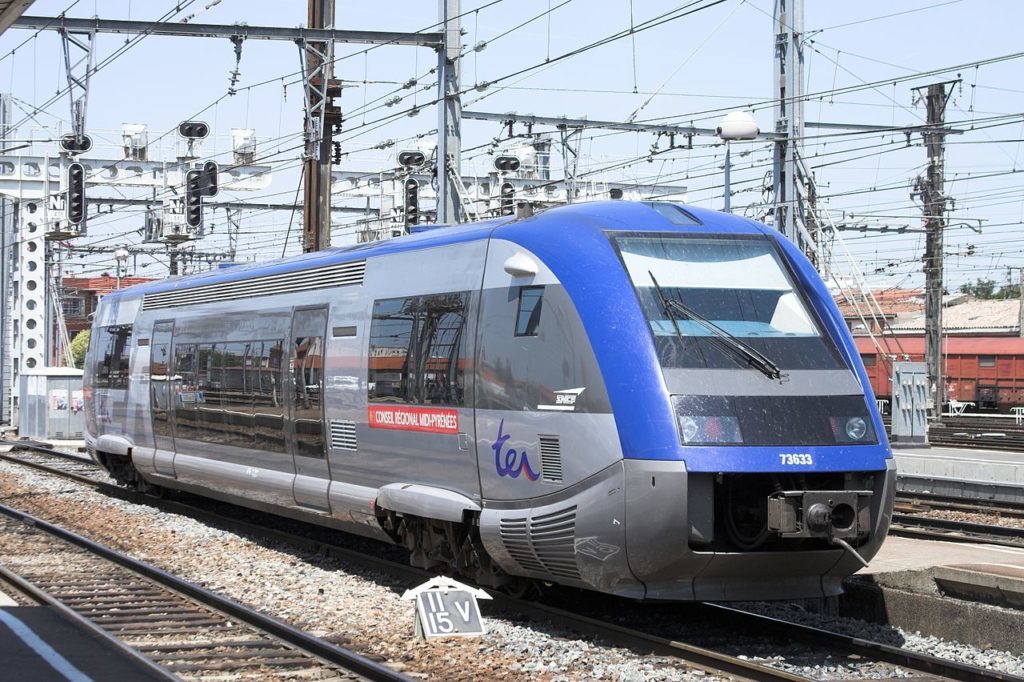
(446, 608)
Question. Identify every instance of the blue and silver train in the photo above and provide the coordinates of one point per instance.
(645, 399)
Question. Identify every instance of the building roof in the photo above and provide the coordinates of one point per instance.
(951, 345)
(891, 301)
(101, 285)
(903, 310)
(970, 317)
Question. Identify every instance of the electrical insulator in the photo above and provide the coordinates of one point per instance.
(193, 198)
(75, 203)
(193, 130)
(508, 164)
(507, 199)
(412, 202)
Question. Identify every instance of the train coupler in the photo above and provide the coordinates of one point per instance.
(820, 513)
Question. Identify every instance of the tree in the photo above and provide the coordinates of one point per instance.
(980, 288)
(79, 345)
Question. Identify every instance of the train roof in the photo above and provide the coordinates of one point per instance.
(571, 221)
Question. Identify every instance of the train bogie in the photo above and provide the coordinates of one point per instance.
(643, 400)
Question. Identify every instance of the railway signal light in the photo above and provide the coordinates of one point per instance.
(208, 179)
(412, 202)
(507, 199)
(75, 204)
(194, 198)
(75, 145)
(411, 158)
(193, 130)
(508, 164)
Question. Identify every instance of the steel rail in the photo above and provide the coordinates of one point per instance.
(957, 531)
(918, 502)
(700, 657)
(316, 646)
(925, 663)
(705, 659)
(42, 597)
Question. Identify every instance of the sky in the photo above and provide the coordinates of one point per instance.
(863, 62)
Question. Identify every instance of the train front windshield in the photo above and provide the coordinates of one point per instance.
(695, 290)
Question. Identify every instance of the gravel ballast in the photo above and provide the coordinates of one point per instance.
(363, 610)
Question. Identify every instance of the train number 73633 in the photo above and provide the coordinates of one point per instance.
(794, 458)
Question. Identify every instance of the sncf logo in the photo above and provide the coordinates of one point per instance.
(565, 400)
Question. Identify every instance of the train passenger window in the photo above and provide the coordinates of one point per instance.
(528, 315)
(986, 361)
(417, 349)
(307, 365)
(235, 402)
(263, 388)
(188, 397)
(114, 354)
(230, 393)
(160, 383)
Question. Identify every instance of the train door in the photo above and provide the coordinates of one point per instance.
(305, 425)
(161, 397)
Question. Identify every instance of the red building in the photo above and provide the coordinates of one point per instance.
(982, 344)
(82, 294)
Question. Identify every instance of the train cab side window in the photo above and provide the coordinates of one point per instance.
(114, 354)
(417, 350)
(531, 301)
(986, 361)
(869, 360)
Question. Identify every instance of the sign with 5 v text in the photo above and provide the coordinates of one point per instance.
(447, 608)
(448, 613)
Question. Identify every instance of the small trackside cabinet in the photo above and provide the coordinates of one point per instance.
(909, 404)
(51, 404)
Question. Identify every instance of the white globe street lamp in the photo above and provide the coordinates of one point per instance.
(737, 125)
(120, 255)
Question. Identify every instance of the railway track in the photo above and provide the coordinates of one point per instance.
(602, 624)
(914, 516)
(983, 433)
(932, 528)
(917, 503)
(187, 631)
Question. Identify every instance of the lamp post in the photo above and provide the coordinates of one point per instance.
(120, 255)
(738, 125)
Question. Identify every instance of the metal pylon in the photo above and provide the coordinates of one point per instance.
(78, 68)
(314, 88)
(465, 202)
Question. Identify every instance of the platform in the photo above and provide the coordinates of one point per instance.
(964, 592)
(40, 644)
(973, 474)
(910, 554)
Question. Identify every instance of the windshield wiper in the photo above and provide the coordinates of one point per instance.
(721, 338)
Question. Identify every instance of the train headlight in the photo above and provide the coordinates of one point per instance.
(688, 429)
(708, 430)
(856, 428)
(851, 429)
